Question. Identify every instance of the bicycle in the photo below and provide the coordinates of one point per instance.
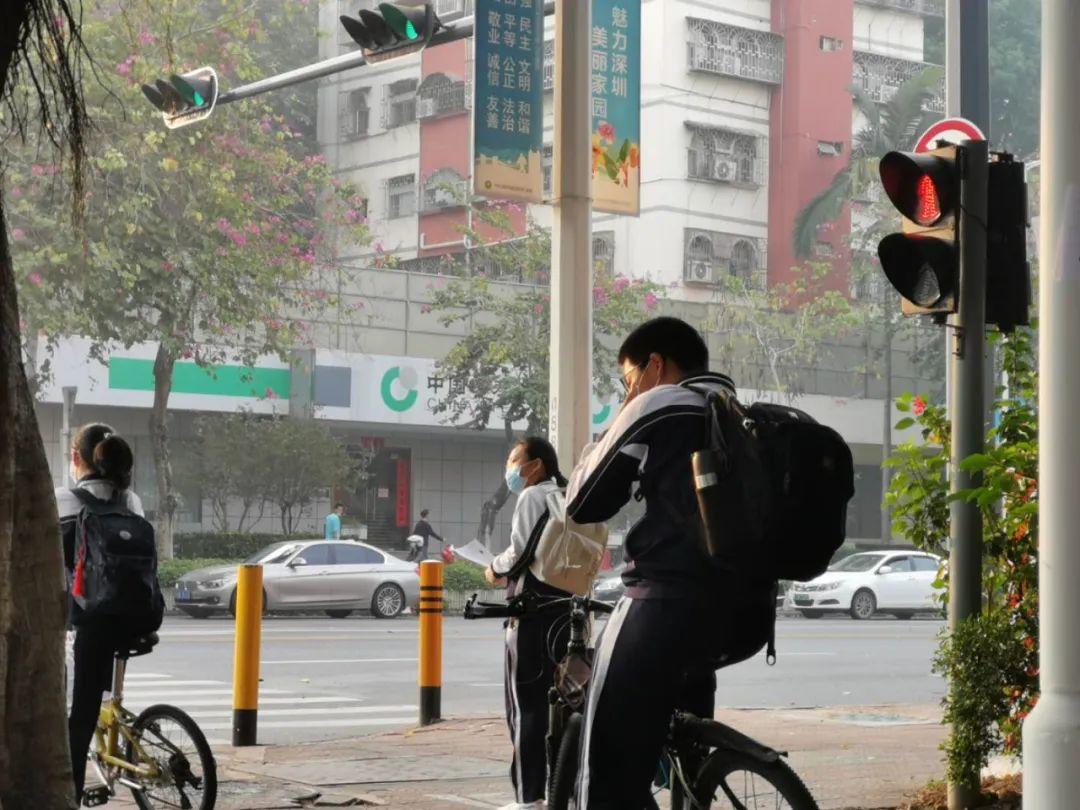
(702, 758)
(157, 767)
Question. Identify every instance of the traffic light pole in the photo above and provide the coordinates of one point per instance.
(1051, 735)
(967, 335)
(571, 244)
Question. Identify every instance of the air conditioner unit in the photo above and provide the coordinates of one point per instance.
(726, 169)
(699, 272)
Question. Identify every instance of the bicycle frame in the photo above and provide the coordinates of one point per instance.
(115, 721)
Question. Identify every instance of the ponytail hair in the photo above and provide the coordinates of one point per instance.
(537, 447)
(106, 453)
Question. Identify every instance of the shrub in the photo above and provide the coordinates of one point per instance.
(229, 545)
(464, 576)
(169, 571)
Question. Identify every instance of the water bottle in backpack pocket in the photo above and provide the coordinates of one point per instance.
(115, 574)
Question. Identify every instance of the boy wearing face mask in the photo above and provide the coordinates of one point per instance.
(533, 644)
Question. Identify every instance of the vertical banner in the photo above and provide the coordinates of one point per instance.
(401, 492)
(508, 111)
(616, 102)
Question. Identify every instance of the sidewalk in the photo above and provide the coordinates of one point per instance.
(850, 757)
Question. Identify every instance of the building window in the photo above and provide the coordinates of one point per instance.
(823, 250)
(450, 10)
(830, 44)
(401, 103)
(743, 263)
(549, 64)
(881, 76)
(710, 257)
(728, 50)
(700, 259)
(440, 95)
(444, 188)
(354, 114)
(401, 196)
(547, 166)
(830, 148)
(603, 253)
(724, 156)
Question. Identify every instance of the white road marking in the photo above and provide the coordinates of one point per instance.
(358, 722)
(339, 710)
(344, 661)
(263, 701)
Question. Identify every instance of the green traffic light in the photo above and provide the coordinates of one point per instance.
(187, 91)
(400, 24)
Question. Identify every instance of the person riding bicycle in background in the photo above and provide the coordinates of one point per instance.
(669, 626)
(532, 647)
(101, 464)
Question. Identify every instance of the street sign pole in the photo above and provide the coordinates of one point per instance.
(1051, 735)
(571, 243)
(967, 332)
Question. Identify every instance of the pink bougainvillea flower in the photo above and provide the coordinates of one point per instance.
(599, 296)
(146, 38)
(18, 233)
(918, 407)
(650, 301)
(35, 278)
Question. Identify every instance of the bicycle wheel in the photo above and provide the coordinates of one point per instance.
(187, 771)
(737, 780)
(564, 769)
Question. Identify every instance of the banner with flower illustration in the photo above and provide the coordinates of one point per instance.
(616, 102)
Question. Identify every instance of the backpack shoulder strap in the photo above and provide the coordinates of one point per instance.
(528, 554)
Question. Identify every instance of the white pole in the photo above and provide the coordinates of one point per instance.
(1051, 734)
(69, 392)
(571, 244)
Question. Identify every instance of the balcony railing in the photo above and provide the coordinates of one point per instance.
(721, 167)
(449, 10)
(447, 100)
(549, 64)
(441, 195)
(927, 8)
(881, 76)
(728, 50)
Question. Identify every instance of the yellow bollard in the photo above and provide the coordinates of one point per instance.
(249, 596)
(431, 613)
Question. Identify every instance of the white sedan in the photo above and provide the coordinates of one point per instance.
(900, 583)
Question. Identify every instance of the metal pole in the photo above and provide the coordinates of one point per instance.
(69, 392)
(967, 331)
(249, 597)
(430, 668)
(571, 243)
(1051, 734)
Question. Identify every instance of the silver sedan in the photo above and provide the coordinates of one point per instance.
(333, 576)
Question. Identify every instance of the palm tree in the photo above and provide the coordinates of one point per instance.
(892, 126)
(40, 85)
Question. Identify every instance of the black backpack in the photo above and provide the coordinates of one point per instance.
(116, 566)
(772, 487)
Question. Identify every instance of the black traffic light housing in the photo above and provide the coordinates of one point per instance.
(393, 29)
(184, 99)
(922, 262)
(1008, 274)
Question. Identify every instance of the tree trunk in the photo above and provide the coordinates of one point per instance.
(35, 766)
(165, 518)
(886, 441)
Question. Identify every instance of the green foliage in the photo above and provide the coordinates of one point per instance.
(462, 576)
(223, 544)
(992, 662)
(169, 571)
(500, 368)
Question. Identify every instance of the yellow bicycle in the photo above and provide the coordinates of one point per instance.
(165, 760)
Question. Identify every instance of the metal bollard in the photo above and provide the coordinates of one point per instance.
(249, 596)
(431, 613)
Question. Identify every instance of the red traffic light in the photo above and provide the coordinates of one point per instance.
(921, 186)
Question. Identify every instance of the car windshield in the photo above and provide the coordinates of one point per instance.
(275, 553)
(857, 562)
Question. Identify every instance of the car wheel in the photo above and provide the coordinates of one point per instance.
(195, 613)
(812, 614)
(903, 614)
(387, 601)
(232, 605)
(863, 605)
(338, 614)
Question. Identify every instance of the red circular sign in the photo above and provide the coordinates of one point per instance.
(951, 130)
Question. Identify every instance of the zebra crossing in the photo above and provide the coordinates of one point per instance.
(282, 712)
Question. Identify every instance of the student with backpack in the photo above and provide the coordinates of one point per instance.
(111, 566)
(533, 645)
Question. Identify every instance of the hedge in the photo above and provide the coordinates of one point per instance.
(230, 545)
(463, 576)
(169, 571)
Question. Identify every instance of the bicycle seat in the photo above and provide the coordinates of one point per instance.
(140, 645)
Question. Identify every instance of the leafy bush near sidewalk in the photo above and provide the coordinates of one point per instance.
(169, 571)
(464, 576)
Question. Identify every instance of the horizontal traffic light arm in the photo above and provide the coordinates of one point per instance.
(461, 29)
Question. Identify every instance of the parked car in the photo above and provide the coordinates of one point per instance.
(336, 577)
(900, 583)
(609, 586)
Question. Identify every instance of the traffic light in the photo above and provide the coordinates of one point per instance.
(184, 99)
(395, 29)
(1008, 274)
(922, 262)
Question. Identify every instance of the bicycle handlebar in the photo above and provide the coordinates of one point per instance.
(526, 603)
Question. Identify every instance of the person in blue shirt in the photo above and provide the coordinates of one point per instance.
(333, 522)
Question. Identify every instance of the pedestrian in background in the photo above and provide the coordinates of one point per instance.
(423, 529)
(533, 643)
(333, 522)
